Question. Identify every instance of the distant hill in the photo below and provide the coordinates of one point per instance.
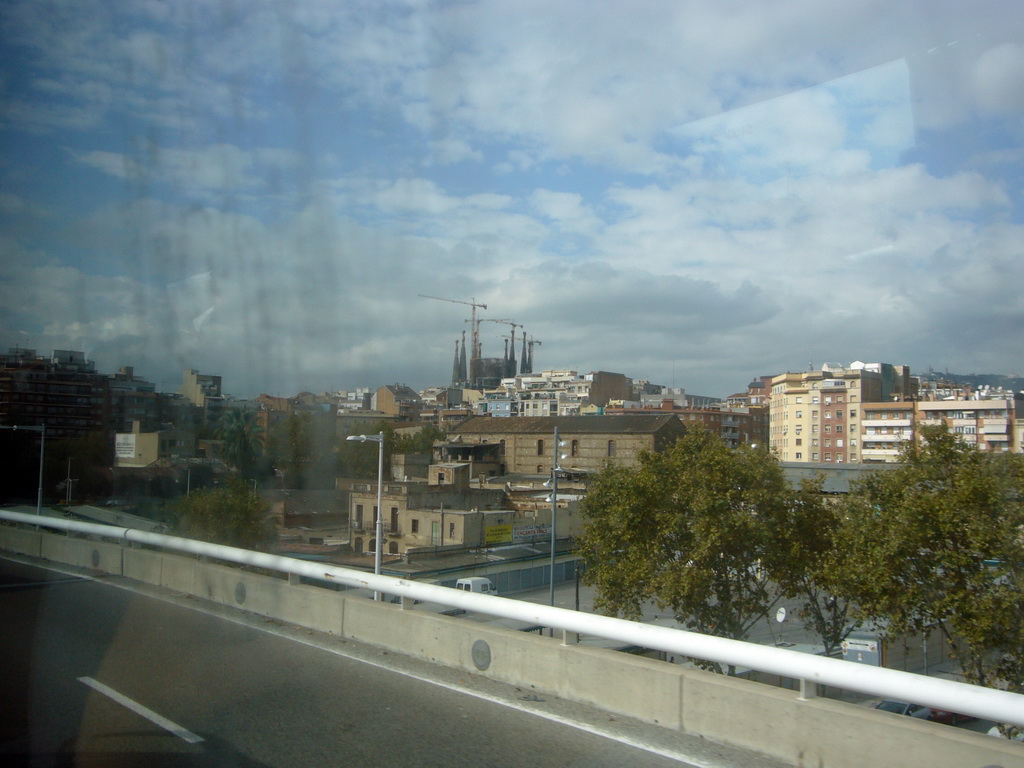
(978, 380)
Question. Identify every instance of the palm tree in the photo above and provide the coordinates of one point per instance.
(243, 441)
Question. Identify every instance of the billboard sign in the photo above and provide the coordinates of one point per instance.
(124, 445)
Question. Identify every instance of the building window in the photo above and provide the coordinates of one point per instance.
(575, 448)
(799, 456)
(839, 427)
(799, 442)
(540, 447)
(799, 414)
(415, 525)
(394, 519)
(611, 447)
(451, 530)
(359, 515)
(828, 414)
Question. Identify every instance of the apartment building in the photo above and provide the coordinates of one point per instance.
(815, 416)
(554, 393)
(866, 412)
(397, 400)
(884, 427)
(62, 391)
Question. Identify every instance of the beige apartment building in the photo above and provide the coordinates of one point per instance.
(815, 416)
(866, 412)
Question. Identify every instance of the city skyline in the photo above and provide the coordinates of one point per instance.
(693, 195)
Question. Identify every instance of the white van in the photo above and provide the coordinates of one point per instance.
(479, 584)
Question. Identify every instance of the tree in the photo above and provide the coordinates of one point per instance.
(688, 530)
(290, 449)
(937, 545)
(231, 514)
(360, 459)
(806, 556)
(243, 441)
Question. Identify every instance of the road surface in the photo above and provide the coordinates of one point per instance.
(97, 672)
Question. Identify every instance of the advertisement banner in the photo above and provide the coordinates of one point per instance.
(498, 534)
(531, 532)
(124, 445)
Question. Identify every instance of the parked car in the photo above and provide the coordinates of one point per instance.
(922, 712)
(903, 708)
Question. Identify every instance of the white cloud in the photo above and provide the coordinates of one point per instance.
(999, 79)
(447, 151)
(723, 185)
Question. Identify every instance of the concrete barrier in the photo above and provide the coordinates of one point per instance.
(143, 565)
(21, 541)
(300, 604)
(774, 721)
(99, 556)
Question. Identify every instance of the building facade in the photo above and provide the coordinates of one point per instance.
(526, 445)
(62, 391)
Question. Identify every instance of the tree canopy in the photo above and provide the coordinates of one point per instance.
(938, 545)
(243, 441)
(688, 529)
(935, 544)
(233, 514)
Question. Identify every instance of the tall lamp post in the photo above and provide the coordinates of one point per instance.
(555, 469)
(42, 451)
(379, 439)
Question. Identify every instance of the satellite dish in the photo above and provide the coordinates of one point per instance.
(780, 615)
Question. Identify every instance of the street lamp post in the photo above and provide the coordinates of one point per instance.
(379, 529)
(42, 451)
(555, 469)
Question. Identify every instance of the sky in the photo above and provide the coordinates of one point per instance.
(687, 192)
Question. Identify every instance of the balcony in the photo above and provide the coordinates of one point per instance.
(886, 422)
(878, 453)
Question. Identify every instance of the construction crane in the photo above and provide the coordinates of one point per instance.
(476, 323)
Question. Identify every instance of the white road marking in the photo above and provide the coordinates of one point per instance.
(134, 706)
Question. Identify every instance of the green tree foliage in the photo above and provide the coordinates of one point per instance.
(937, 545)
(243, 441)
(807, 555)
(360, 459)
(231, 514)
(687, 530)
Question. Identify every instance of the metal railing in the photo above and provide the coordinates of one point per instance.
(950, 695)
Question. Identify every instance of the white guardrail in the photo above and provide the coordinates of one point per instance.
(950, 695)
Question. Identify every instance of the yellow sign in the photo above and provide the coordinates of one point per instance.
(498, 534)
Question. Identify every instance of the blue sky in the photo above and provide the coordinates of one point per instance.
(691, 193)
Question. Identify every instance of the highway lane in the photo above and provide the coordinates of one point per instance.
(254, 693)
